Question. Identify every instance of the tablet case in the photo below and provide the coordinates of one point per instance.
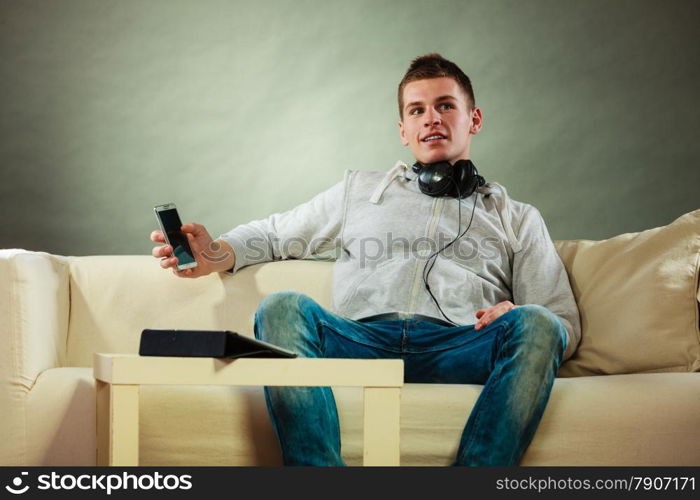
(206, 344)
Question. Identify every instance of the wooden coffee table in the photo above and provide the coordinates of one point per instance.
(118, 377)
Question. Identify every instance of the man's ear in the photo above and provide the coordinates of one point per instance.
(477, 121)
(402, 134)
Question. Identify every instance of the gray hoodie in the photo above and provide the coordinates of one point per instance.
(382, 229)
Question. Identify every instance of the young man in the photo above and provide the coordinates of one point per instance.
(489, 303)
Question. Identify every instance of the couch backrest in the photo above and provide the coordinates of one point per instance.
(637, 295)
(113, 298)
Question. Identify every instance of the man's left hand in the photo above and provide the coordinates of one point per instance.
(486, 316)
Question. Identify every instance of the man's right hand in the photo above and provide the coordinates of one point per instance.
(211, 256)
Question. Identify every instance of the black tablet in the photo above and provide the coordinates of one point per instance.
(207, 344)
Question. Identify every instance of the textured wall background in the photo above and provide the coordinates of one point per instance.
(234, 110)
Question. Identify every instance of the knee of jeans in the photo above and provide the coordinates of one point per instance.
(278, 311)
(286, 299)
(542, 326)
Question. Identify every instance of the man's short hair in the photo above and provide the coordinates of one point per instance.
(435, 66)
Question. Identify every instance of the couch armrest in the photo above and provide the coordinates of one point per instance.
(34, 306)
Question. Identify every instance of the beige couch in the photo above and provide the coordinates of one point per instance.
(630, 395)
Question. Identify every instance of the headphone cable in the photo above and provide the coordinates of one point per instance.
(434, 256)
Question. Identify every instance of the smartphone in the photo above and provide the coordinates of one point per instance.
(170, 224)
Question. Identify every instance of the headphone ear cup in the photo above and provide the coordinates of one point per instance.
(467, 177)
(435, 179)
(444, 179)
(463, 179)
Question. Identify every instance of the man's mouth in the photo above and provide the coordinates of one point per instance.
(433, 137)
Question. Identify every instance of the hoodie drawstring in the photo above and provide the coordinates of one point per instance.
(388, 178)
(503, 209)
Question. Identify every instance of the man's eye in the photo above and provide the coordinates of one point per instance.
(445, 105)
(415, 111)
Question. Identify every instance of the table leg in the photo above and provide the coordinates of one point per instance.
(382, 426)
(117, 424)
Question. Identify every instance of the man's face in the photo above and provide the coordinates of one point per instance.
(437, 120)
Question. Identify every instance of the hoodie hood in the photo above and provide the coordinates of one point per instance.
(494, 189)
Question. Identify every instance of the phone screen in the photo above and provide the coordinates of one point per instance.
(171, 224)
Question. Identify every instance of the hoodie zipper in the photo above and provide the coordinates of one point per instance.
(418, 277)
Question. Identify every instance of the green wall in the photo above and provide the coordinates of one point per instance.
(234, 110)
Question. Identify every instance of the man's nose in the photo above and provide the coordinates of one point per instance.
(432, 117)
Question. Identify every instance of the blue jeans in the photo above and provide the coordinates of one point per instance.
(516, 358)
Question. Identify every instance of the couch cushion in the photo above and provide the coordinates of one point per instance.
(60, 419)
(209, 425)
(637, 295)
(588, 421)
